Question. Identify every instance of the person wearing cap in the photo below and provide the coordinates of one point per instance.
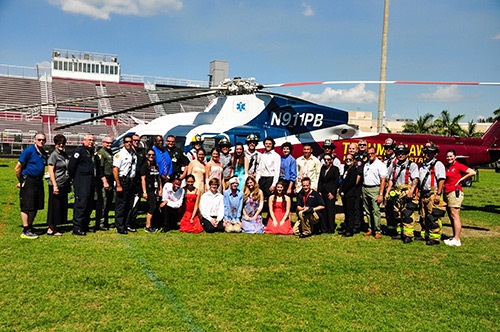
(389, 159)
(400, 198)
(171, 203)
(329, 149)
(374, 177)
(226, 160)
(196, 143)
(252, 154)
(233, 205)
(432, 174)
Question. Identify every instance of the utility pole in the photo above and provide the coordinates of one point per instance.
(383, 69)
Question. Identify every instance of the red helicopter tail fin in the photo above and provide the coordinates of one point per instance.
(491, 137)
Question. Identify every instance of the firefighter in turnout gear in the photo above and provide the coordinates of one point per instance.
(432, 174)
(401, 202)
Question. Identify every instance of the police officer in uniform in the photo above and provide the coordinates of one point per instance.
(82, 169)
(105, 184)
(124, 169)
(432, 174)
(400, 198)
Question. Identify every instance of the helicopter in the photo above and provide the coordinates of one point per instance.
(242, 107)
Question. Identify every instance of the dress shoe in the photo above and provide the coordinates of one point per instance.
(357, 231)
(347, 234)
(79, 233)
(90, 230)
(131, 229)
(103, 228)
(303, 236)
(124, 232)
(369, 233)
(407, 240)
(378, 236)
(341, 231)
(396, 237)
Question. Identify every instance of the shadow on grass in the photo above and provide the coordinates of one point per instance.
(471, 227)
(495, 209)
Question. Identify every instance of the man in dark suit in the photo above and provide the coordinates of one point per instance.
(327, 187)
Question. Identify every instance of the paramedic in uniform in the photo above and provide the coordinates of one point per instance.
(432, 174)
(124, 168)
(400, 194)
(81, 168)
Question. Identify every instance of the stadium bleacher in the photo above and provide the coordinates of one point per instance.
(18, 127)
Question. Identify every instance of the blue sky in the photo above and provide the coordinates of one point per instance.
(281, 41)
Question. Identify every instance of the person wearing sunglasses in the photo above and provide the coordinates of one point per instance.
(151, 188)
(29, 169)
(105, 184)
(327, 187)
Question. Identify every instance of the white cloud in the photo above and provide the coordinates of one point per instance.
(356, 95)
(443, 94)
(307, 11)
(102, 9)
(497, 36)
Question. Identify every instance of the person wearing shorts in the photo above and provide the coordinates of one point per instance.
(454, 194)
(29, 172)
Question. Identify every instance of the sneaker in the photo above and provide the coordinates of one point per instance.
(150, 230)
(29, 235)
(131, 229)
(452, 242)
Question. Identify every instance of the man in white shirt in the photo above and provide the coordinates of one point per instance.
(374, 177)
(268, 172)
(171, 202)
(308, 166)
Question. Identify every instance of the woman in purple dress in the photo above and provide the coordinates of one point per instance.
(253, 202)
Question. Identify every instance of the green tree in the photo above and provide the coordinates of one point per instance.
(496, 113)
(448, 126)
(422, 126)
(471, 130)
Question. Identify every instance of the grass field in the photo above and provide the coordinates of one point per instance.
(240, 282)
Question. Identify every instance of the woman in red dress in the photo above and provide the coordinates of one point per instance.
(190, 223)
(279, 212)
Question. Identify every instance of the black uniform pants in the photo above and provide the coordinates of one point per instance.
(349, 212)
(82, 208)
(170, 218)
(328, 222)
(123, 205)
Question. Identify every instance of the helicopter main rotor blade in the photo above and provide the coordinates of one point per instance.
(123, 94)
(377, 82)
(135, 108)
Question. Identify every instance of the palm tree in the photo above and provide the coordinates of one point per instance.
(422, 126)
(448, 126)
(471, 130)
(496, 113)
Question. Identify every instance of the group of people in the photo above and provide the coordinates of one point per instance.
(243, 191)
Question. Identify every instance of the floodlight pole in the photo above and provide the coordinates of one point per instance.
(383, 69)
